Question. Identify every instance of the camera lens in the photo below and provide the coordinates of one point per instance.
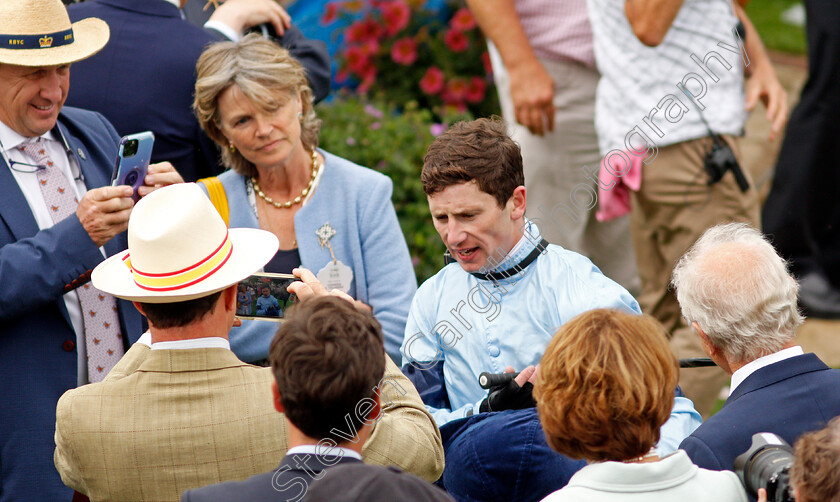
(766, 464)
(766, 469)
(130, 148)
(131, 178)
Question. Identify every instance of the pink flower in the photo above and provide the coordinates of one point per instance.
(462, 20)
(437, 129)
(432, 81)
(330, 13)
(395, 15)
(456, 90)
(456, 40)
(454, 93)
(355, 32)
(357, 59)
(404, 51)
(363, 30)
(374, 111)
(475, 90)
(370, 46)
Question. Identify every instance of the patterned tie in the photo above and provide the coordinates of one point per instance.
(103, 339)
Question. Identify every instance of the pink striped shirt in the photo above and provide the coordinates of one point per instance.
(558, 29)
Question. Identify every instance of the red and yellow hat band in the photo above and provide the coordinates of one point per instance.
(183, 278)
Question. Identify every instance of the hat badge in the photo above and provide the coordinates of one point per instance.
(45, 41)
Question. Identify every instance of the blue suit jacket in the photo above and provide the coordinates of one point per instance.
(38, 359)
(144, 78)
(787, 398)
(288, 482)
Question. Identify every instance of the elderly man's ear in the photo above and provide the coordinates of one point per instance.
(709, 348)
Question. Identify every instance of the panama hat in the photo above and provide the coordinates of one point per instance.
(179, 248)
(39, 33)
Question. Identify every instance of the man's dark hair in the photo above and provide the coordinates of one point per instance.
(327, 358)
(179, 314)
(479, 150)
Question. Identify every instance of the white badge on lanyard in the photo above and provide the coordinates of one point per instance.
(335, 275)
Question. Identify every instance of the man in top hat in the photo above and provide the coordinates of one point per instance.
(196, 414)
(58, 219)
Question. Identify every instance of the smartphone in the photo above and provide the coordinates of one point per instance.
(132, 165)
(264, 296)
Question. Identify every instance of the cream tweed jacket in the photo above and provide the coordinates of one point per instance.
(165, 421)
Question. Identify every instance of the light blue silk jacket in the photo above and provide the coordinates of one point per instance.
(467, 325)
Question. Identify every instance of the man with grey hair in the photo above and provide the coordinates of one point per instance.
(737, 294)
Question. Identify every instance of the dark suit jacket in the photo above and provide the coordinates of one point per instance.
(787, 398)
(38, 358)
(312, 54)
(286, 483)
(144, 78)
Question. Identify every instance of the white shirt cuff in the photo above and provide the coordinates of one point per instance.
(224, 29)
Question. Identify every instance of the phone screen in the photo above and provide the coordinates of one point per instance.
(264, 296)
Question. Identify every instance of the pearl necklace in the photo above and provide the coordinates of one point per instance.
(316, 168)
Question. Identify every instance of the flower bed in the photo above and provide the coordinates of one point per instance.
(404, 50)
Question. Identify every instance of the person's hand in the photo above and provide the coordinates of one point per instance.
(762, 495)
(307, 287)
(528, 375)
(513, 395)
(104, 212)
(764, 85)
(532, 93)
(310, 287)
(240, 15)
(159, 175)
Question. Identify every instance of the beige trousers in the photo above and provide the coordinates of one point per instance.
(559, 191)
(670, 212)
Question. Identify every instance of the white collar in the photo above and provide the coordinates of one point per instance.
(318, 449)
(11, 138)
(751, 367)
(210, 342)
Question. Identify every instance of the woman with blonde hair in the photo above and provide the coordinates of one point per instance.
(605, 387)
(331, 216)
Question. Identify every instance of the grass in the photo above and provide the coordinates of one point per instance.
(776, 34)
